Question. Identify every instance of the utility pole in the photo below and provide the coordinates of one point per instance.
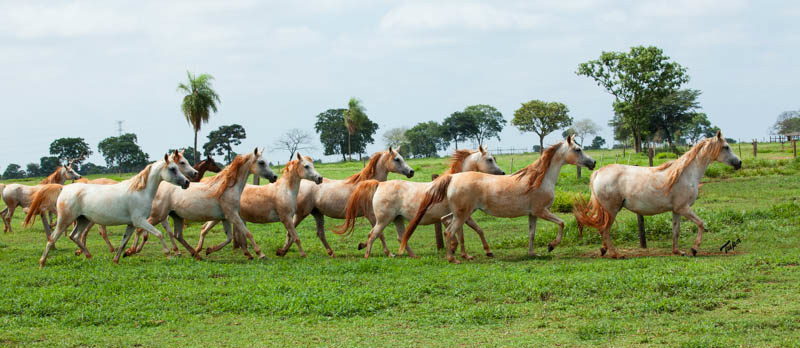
(119, 127)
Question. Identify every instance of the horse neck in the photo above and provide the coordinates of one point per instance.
(242, 175)
(695, 169)
(381, 172)
(290, 181)
(153, 180)
(551, 175)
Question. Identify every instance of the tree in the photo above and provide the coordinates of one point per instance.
(597, 143)
(198, 103)
(48, 164)
(488, 122)
(334, 136)
(91, 168)
(673, 113)
(396, 139)
(354, 118)
(123, 153)
(426, 139)
(697, 127)
(32, 169)
(74, 150)
(584, 128)
(541, 118)
(459, 126)
(222, 141)
(13, 171)
(787, 122)
(637, 79)
(294, 140)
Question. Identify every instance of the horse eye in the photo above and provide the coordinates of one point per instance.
(397, 160)
(261, 162)
(306, 166)
(577, 150)
(172, 170)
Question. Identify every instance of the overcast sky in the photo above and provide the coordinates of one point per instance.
(71, 69)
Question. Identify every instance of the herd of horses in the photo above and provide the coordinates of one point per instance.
(172, 188)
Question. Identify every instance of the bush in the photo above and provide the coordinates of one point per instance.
(668, 155)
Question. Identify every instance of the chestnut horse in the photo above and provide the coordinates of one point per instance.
(215, 199)
(126, 203)
(330, 198)
(272, 203)
(201, 167)
(528, 192)
(15, 195)
(394, 200)
(672, 186)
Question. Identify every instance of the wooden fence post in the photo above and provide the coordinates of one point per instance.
(512, 166)
(650, 155)
(794, 148)
(438, 226)
(755, 148)
(740, 148)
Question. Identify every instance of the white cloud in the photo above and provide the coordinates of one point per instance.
(67, 20)
(689, 8)
(457, 15)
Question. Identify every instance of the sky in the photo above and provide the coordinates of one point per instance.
(73, 68)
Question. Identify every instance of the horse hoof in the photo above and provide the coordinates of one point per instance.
(467, 257)
(694, 252)
(208, 251)
(602, 251)
(362, 245)
(454, 261)
(550, 248)
(490, 254)
(280, 252)
(78, 252)
(331, 254)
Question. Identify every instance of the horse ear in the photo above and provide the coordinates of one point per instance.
(391, 151)
(299, 158)
(255, 152)
(569, 140)
(182, 151)
(177, 153)
(481, 149)
(719, 135)
(166, 157)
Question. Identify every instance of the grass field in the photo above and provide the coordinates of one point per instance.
(570, 297)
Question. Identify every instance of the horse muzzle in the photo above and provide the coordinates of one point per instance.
(318, 180)
(410, 174)
(272, 178)
(737, 165)
(185, 184)
(591, 165)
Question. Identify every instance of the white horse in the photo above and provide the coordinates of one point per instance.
(672, 186)
(126, 203)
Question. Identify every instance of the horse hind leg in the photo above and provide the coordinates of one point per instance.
(399, 226)
(689, 214)
(61, 226)
(228, 237)
(8, 216)
(177, 221)
(474, 225)
(549, 216)
(78, 232)
(203, 231)
(319, 220)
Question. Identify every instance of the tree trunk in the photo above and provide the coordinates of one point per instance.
(195, 147)
(349, 152)
(344, 159)
(637, 142)
(541, 144)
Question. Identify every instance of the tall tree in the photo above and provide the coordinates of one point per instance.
(788, 122)
(697, 127)
(74, 150)
(396, 139)
(584, 128)
(222, 141)
(354, 117)
(293, 141)
(199, 101)
(673, 112)
(597, 143)
(334, 136)
(488, 122)
(637, 79)
(13, 171)
(123, 153)
(48, 164)
(459, 126)
(541, 118)
(32, 169)
(426, 139)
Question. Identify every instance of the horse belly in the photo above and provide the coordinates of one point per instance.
(508, 207)
(435, 213)
(648, 204)
(201, 210)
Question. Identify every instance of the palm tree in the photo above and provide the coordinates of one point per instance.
(353, 118)
(200, 99)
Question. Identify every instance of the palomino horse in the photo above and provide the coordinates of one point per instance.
(126, 203)
(672, 186)
(272, 203)
(215, 199)
(330, 198)
(393, 200)
(528, 192)
(21, 195)
(201, 167)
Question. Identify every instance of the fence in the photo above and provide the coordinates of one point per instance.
(510, 151)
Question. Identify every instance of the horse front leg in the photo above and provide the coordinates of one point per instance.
(400, 227)
(319, 220)
(144, 224)
(46, 224)
(206, 228)
(689, 214)
(177, 221)
(289, 225)
(676, 230)
(474, 226)
(228, 237)
(77, 233)
(549, 216)
(239, 225)
(453, 226)
(531, 234)
(84, 234)
(7, 218)
(127, 236)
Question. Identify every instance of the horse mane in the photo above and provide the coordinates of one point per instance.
(536, 170)
(709, 147)
(457, 162)
(139, 181)
(54, 178)
(368, 172)
(227, 177)
(292, 165)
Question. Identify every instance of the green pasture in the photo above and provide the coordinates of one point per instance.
(749, 296)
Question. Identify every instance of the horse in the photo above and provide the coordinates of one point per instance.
(201, 167)
(672, 186)
(126, 203)
(528, 192)
(215, 199)
(394, 200)
(330, 198)
(16, 195)
(273, 202)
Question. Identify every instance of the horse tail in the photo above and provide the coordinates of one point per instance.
(435, 194)
(360, 202)
(42, 200)
(591, 214)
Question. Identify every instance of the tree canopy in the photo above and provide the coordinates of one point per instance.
(13, 171)
(292, 141)
(396, 139)
(597, 143)
(199, 101)
(426, 139)
(74, 150)
(787, 122)
(637, 79)
(459, 127)
(333, 133)
(541, 118)
(488, 122)
(584, 128)
(221, 141)
(123, 153)
(354, 118)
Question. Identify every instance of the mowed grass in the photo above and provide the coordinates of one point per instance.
(570, 297)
